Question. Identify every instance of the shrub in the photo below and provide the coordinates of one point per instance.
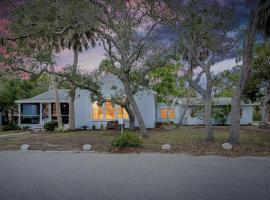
(158, 124)
(161, 124)
(25, 128)
(11, 127)
(127, 140)
(221, 115)
(197, 111)
(51, 126)
(256, 113)
(93, 127)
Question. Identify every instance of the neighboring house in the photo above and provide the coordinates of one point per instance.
(40, 109)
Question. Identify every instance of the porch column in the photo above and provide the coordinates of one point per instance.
(40, 113)
(50, 111)
(0, 119)
(19, 116)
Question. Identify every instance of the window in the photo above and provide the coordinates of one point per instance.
(29, 119)
(53, 109)
(64, 108)
(122, 113)
(167, 111)
(64, 112)
(110, 111)
(30, 113)
(30, 109)
(97, 112)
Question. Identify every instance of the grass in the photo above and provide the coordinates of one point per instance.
(254, 141)
(8, 132)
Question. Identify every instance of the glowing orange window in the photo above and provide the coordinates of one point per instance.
(97, 112)
(164, 112)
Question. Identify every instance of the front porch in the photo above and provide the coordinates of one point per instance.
(37, 114)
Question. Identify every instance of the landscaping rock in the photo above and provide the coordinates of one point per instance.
(227, 146)
(87, 147)
(166, 147)
(25, 147)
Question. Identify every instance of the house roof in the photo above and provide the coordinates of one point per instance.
(216, 101)
(111, 85)
(47, 97)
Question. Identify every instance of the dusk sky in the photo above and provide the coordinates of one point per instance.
(90, 59)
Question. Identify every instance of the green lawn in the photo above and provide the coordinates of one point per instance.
(191, 140)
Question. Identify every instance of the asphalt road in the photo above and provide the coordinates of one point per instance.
(91, 176)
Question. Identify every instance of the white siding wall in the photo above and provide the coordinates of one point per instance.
(246, 118)
(247, 115)
(146, 103)
(82, 108)
(178, 111)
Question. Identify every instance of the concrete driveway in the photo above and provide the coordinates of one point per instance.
(90, 176)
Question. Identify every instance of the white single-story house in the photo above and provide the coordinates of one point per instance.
(38, 110)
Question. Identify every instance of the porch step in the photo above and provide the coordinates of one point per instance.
(37, 129)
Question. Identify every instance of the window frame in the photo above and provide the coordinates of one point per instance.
(170, 113)
(103, 107)
(98, 107)
(22, 116)
(65, 118)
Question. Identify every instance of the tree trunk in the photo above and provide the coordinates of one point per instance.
(134, 105)
(184, 111)
(131, 116)
(245, 70)
(206, 94)
(168, 113)
(235, 118)
(6, 117)
(57, 102)
(10, 116)
(208, 118)
(265, 110)
(72, 94)
(72, 111)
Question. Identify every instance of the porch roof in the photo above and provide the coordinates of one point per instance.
(47, 97)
